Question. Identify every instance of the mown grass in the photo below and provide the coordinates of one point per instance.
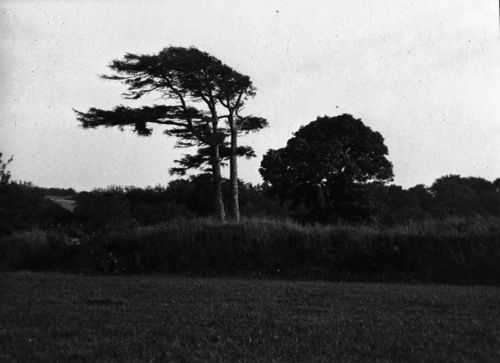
(454, 250)
(63, 317)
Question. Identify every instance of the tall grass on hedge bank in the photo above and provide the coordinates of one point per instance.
(455, 249)
(40, 250)
(450, 250)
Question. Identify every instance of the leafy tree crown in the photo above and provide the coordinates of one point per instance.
(324, 161)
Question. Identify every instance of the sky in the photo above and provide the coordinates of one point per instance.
(423, 73)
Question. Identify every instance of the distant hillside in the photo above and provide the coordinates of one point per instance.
(65, 202)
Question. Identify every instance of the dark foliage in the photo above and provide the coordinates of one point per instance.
(4, 173)
(465, 196)
(23, 206)
(63, 192)
(450, 195)
(105, 209)
(194, 194)
(201, 159)
(325, 168)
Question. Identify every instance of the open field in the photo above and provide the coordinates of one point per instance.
(64, 317)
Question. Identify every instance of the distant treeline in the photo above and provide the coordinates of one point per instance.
(24, 206)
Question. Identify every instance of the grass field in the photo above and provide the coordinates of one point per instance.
(65, 317)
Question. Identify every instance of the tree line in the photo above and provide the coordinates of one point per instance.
(24, 206)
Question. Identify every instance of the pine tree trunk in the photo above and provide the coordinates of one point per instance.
(220, 211)
(217, 185)
(233, 166)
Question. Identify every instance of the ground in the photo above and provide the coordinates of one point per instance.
(65, 317)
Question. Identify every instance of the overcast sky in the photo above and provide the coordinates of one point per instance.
(424, 73)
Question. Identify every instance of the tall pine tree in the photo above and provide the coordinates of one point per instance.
(204, 97)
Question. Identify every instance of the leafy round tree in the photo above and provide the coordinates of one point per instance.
(325, 167)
